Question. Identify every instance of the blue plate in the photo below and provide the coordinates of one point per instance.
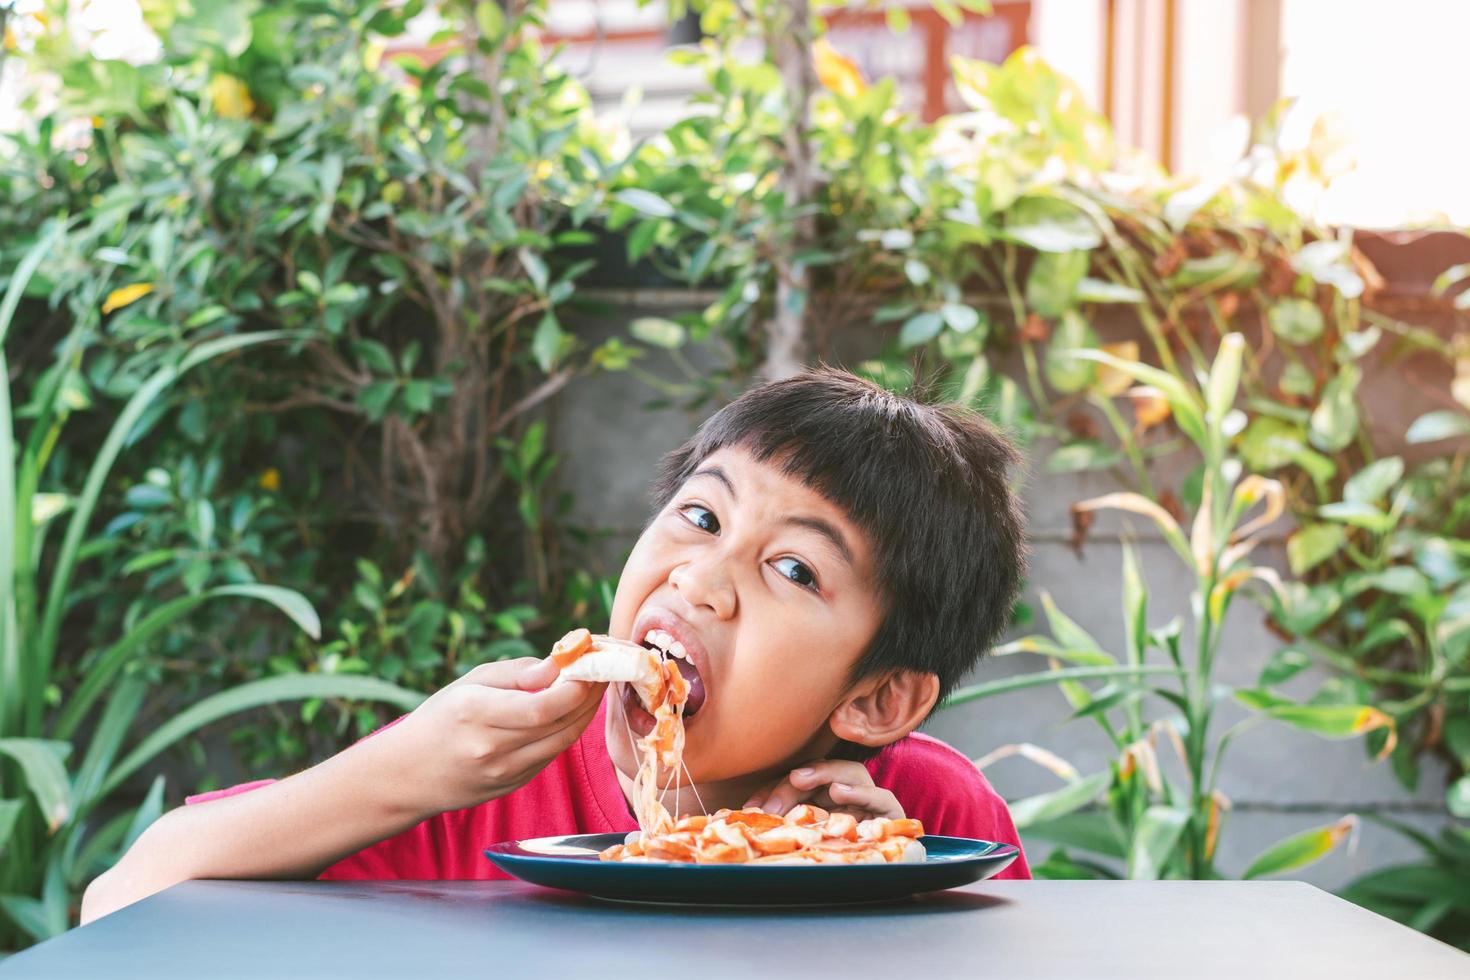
(571, 862)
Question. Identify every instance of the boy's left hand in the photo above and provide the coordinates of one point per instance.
(834, 785)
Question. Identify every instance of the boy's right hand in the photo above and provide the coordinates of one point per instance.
(486, 734)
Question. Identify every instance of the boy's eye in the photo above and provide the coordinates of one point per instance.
(701, 517)
(796, 571)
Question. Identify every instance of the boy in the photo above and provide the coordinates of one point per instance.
(832, 557)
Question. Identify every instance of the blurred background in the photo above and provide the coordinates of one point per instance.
(342, 336)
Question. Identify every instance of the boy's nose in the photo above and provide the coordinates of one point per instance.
(705, 585)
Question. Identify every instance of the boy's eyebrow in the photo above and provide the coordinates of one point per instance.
(718, 474)
(827, 531)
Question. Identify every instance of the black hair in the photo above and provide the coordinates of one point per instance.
(927, 484)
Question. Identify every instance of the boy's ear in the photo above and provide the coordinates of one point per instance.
(882, 709)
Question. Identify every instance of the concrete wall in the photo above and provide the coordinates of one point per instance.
(615, 443)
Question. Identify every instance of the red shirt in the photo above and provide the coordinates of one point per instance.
(578, 793)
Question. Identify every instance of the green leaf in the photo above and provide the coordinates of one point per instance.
(102, 462)
(1070, 798)
(1224, 379)
(535, 267)
(1051, 287)
(1296, 321)
(1284, 664)
(1101, 291)
(1444, 424)
(1300, 850)
(29, 914)
(1334, 721)
(1361, 515)
(41, 763)
(1059, 234)
(976, 692)
(1087, 454)
(1090, 831)
(9, 812)
(1312, 545)
(104, 670)
(1334, 421)
(1066, 630)
(1373, 482)
(490, 19)
(1457, 799)
(547, 343)
(1153, 841)
(148, 811)
(1396, 580)
(1064, 370)
(920, 329)
(255, 694)
(658, 332)
(375, 357)
(645, 202)
(961, 318)
(1106, 700)
(1135, 606)
(1041, 646)
(1223, 270)
(107, 737)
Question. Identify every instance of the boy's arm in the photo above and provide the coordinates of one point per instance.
(477, 739)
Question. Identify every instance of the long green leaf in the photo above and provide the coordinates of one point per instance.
(1046, 647)
(116, 721)
(26, 268)
(102, 673)
(9, 811)
(1327, 720)
(27, 913)
(1066, 630)
(12, 679)
(1006, 685)
(1302, 849)
(1135, 606)
(1089, 830)
(42, 763)
(1415, 883)
(1060, 802)
(288, 687)
(101, 851)
(1154, 838)
(86, 502)
(148, 811)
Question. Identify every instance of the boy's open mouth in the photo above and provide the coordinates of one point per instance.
(669, 649)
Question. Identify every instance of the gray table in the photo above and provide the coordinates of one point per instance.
(1050, 929)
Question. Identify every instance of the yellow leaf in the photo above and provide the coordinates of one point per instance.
(1034, 753)
(1218, 803)
(1252, 489)
(1150, 407)
(124, 295)
(230, 97)
(270, 480)
(1134, 503)
(836, 71)
(1370, 719)
(1111, 381)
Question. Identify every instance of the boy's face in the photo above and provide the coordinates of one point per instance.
(771, 590)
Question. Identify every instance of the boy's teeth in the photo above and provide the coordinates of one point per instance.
(666, 643)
